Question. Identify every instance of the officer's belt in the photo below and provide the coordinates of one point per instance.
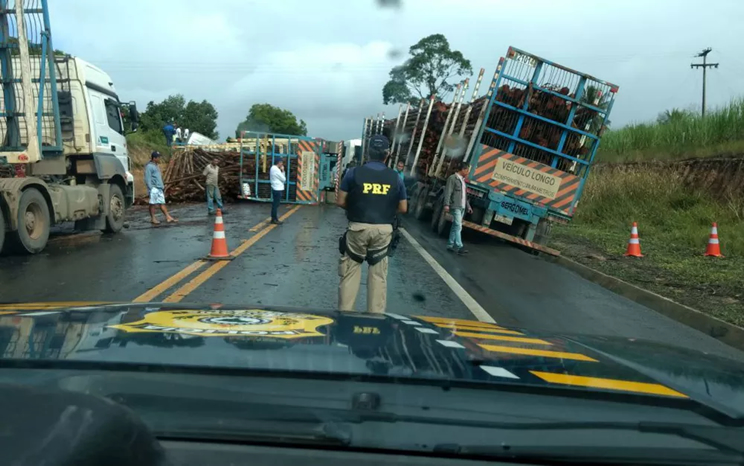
(373, 257)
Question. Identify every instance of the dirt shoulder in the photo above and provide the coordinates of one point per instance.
(675, 209)
(711, 285)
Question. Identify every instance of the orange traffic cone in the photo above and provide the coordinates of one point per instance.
(714, 248)
(634, 244)
(219, 243)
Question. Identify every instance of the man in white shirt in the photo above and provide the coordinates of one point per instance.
(277, 178)
(179, 136)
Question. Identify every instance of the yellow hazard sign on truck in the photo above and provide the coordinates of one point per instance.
(531, 179)
(215, 323)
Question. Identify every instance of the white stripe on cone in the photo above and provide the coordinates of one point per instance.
(218, 220)
(634, 241)
(713, 241)
(714, 231)
(634, 231)
(219, 235)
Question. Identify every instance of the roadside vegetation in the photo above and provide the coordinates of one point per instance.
(674, 222)
(678, 134)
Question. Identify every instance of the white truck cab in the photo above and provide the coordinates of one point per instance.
(63, 150)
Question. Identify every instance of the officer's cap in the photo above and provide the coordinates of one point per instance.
(379, 142)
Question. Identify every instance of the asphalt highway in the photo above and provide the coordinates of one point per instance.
(295, 264)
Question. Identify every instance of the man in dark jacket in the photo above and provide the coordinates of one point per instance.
(456, 203)
(372, 195)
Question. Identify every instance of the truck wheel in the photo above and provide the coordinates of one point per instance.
(412, 199)
(542, 234)
(443, 225)
(436, 212)
(421, 211)
(117, 207)
(34, 222)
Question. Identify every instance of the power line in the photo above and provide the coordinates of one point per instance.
(704, 65)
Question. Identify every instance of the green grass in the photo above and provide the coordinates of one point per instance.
(141, 145)
(674, 223)
(685, 135)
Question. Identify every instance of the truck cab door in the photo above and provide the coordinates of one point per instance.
(109, 129)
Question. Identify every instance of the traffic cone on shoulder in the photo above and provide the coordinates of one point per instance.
(714, 248)
(219, 242)
(634, 244)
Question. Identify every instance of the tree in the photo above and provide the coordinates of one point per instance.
(672, 116)
(270, 119)
(429, 71)
(200, 117)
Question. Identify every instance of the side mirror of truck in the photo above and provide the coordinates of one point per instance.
(133, 116)
(133, 113)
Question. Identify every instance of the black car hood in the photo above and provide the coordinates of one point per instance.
(357, 344)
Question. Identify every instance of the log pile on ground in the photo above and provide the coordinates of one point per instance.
(184, 181)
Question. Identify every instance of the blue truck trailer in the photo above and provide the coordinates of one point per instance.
(530, 152)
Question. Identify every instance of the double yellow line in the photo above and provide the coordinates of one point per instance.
(262, 228)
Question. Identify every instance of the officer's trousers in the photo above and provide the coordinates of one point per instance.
(361, 237)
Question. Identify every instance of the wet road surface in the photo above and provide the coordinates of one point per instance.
(295, 264)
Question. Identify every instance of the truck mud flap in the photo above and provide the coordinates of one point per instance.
(513, 239)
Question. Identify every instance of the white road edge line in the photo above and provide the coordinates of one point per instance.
(464, 296)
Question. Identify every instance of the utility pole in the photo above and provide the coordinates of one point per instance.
(704, 65)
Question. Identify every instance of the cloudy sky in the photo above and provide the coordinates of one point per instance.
(326, 60)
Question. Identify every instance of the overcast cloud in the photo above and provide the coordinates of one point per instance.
(326, 60)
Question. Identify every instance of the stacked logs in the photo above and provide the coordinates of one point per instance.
(184, 181)
(541, 133)
(455, 144)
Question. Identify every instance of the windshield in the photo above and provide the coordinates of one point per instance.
(540, 201)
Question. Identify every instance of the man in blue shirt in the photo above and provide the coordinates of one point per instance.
(169, 131)
(156, 188)
(372, 195)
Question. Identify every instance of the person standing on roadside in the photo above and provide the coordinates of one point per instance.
(400, 168)
(169, 131)
(456, 203)
(156, 188)
(277, 178)
(372, 195)
(212, 171)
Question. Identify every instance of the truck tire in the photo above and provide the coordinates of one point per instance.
(544, 229)
(443, 226)
(412, 199)
(421, 212)
(34, 222)
(117, 208)
(436, 212)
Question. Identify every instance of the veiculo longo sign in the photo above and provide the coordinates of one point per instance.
(529, 179)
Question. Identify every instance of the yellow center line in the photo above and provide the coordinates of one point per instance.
(261, 225)
(199, 280)
(152, 293)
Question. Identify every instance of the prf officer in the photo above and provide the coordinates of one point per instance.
(372, 195)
